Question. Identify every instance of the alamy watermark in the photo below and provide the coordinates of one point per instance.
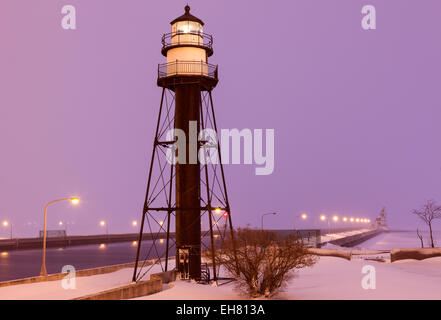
(369, 280)
(203, 148)
(69, 281)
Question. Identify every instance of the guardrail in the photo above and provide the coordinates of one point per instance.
(188, 39)
(187, 68)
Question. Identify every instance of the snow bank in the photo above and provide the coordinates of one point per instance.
(417, 254)
(331, 253)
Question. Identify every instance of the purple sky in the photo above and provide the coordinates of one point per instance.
(356, 113)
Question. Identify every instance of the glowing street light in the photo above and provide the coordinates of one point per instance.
(6, 223)
(103, 223)
(74, 201)
(303, 216)
(352, 219)
(335, 218)
(324, 218)
(134, 223)
(61, 223)
(357, 220)
(345, 219)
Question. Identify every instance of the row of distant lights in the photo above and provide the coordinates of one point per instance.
(134, 222)
(304, 216)
(323, 217)
(161, 241)
(346, 219)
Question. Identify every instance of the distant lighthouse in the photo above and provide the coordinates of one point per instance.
(190, 79)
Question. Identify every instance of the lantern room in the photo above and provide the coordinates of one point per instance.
(186, 47)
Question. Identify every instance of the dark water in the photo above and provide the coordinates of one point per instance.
(18, 264)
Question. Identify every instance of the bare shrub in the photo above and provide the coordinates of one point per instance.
(429, 212)
(263, 262)
(421, 238)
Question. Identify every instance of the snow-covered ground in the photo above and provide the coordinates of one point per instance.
(334, 278)
(394, 240)
(330, 278)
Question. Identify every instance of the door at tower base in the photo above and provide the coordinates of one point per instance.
(188, 258)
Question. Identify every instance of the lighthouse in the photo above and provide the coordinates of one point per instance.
(187, 74)
(187, 81)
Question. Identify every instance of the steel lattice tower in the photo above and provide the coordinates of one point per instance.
(189, 197)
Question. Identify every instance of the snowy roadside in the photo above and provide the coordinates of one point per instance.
(333, 278)
(53, 290)
(330, 278)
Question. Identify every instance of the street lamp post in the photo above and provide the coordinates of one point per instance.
(7, 223)
(335, 219)
(104, 224)
(61, 223)
(303, 216)
(43, 271)
(265, 214)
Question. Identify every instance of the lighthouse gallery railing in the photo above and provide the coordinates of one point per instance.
(198, 68)
(187, 38)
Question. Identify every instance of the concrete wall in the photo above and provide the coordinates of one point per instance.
(133, 290)
(165, 277)
(78, 273)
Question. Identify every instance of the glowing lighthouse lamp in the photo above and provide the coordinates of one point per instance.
(187, 48)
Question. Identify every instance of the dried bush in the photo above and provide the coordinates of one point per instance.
(263, 262)
(429, 212)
